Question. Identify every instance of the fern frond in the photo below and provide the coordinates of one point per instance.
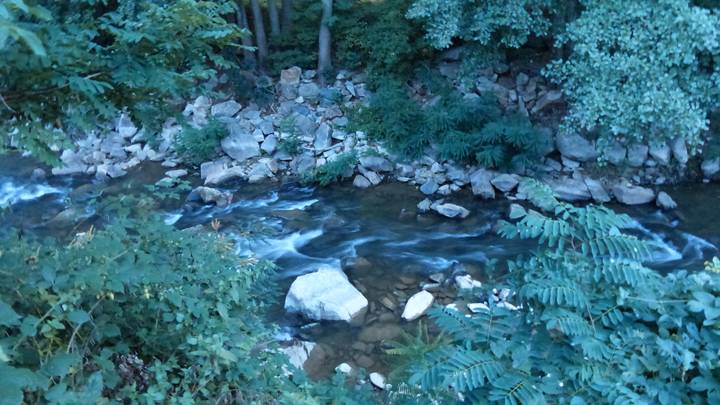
(428, 373)
(539, 194)
(569, 323)
(556, 292)
(513, 389)
(467, 369)
(622, 271)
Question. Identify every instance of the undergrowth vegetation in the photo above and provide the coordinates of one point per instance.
(198, 145)
(142, 312)
(589, 323)
(339, 167)
(474, 130)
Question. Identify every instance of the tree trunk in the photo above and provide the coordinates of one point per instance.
(287, 6)
(325, 41)
(247, 42)
(274, 18)
(260, 38)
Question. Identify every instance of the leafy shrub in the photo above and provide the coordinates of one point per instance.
(334, 169)
(633, 79)
(506, 22)
(70, 64)
(589, 324)
(141, 312)
(290, 143)
(474, 130)
(198, 145)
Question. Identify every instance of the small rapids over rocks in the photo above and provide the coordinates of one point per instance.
(387, 249)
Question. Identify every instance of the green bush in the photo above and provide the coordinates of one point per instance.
(647, 77)
(333, 170)
(72, 65)
(462, 129)
(198, 145)
(142, 312)
(589, 323)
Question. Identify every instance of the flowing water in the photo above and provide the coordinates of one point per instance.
(376, 235)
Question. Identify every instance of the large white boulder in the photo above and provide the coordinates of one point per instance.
(325, 295)
(417, 305)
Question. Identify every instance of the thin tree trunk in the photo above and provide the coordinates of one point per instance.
(247, 41)
(260, 38)
(274, 18)
(325, 41)
(287, 6)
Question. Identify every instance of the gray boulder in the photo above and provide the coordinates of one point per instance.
(209, 195)
(269, 145)
(417, 305)
(615, 153)
(481, 186)
(547, 99)
(661, 153)
(451, 210)
(664, 201)
(226, 109)
(430, 187)
(224, 174)
(637, 155)
(376, 163)
(575, 147)
(361, 181)
(710, 167)
(679, 150)
(240, 145)
(309, 91)
(505, 182)
(290, 76)
(322, 137)
(569, 189)
(633, 195)
(597, 191)
(325, 295)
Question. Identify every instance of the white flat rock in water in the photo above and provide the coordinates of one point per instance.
(299, 353)
(378, 380)
(417, 305)
(325, 295)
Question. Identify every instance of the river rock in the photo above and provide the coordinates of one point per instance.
(361, 181)
(303, 164)
(505, 182)
(176, 174)
(240, 145)
(637, 155)
(481, 186)
(223, 175)
(633, 195)
(309, 91)
(269, 145)
(424, 205)
(597, 191)
(430, 187)
(226, 109)
(661, 153)
(664, 201)
(615, 153)
(378, 380)
(417, 305)
(299, 353)
(376, 163)
(344, 368)
(322, 137)
(679, 150)
(290, 76)
(569, 189)
(466, 282)
(210, 195)
(710, 167)
(549, 98)
(325, 295)
(451, 210)
(575, 147)
(259, 172)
